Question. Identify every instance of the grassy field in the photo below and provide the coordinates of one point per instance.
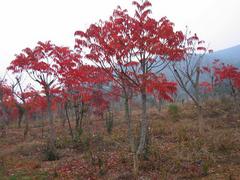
(177, 150)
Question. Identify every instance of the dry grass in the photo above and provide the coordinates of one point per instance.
(177, 149)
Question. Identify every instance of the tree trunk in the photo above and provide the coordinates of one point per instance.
(20, 119)
(77, 116)
(3, 128)
(4, 119)
(131, 135)
(144, 124)
(198, 103)
(52, 137)
(129, 123)
(63, 122)
(135, 164)
(68, 120)
(81, 115)
(63, 115)
(159, 105)
(26, 130)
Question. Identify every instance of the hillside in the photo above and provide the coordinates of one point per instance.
(228, 56)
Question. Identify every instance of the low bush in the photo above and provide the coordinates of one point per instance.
(50, 154)
(109, 122)
(174, 112)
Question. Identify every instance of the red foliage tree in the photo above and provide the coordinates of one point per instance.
(79, 84)
(220, 73)
(210, 85)
(131, 49)
(8, 109)
(231, 75)
(41, 64)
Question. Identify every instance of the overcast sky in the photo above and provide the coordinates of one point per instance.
(24, 22)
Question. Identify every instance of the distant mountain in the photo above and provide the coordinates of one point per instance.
(228, 56)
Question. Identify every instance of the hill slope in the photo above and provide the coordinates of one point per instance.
(228, 56)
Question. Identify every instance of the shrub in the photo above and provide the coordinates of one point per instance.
(101, 166)
(50, 154)
(205, 168)
(77, 138)
(96, 160)
(85, 141)
(81, 141)
(173, 111)
(109, 122)
(62, 142)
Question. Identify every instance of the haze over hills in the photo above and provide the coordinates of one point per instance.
(228, 56)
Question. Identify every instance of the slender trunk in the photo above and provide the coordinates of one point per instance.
(159, 105)
(20, 119)
(198, 103)
(63, 122)
(131, 136)
(129, 123)
(135, 164)
(3, 128)
(200, 111)
(81, 115)
(144, 124)
(52, 137)
(77, 116)
(3, 122)
(234, 94)
(68, 120)
(63, 115)
(26, 130)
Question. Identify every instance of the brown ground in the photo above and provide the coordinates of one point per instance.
(177, 150)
